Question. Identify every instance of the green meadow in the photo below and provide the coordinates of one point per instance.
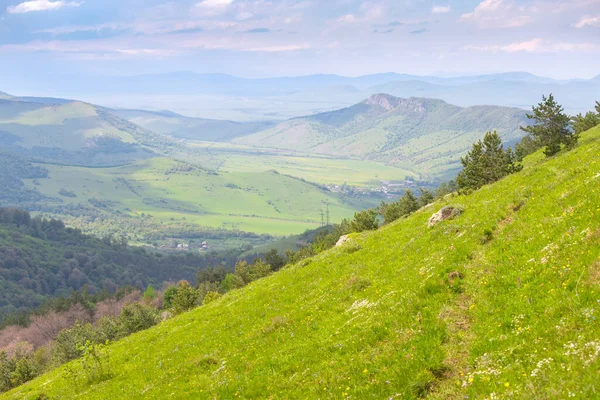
(247, 199)
(499, 302)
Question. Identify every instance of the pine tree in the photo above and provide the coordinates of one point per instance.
(582, 123)
(365, 220)
(426, 197)
(408, 203)
(598, 107)
(552, 126)
(487, 162)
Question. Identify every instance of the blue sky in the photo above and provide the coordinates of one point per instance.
(41, 38)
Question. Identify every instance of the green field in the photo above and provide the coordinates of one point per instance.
(499, 302)
(320, 169)
(260, 202)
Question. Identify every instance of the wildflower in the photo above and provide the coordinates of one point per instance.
(507, 384)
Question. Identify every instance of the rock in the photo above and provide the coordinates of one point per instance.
(444, 214)
(342, 240)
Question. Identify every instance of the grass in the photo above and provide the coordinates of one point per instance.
(404, 312)
(68, 126)
(260, 202)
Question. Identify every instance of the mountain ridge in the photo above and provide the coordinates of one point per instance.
(429, 133)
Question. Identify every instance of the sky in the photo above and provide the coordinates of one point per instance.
(257, 38)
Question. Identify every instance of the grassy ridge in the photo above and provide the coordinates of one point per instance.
(500, 302)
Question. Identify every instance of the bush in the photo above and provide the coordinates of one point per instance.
(251, 272)
(210, 297)
(67, 343)
(232, 281)
(136, 317)
(168, 296)
(185, 299)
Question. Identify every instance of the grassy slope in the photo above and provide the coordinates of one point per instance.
(68, 126)
(232, 200)
(522, 322)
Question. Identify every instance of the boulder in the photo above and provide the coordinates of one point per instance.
(342, 240)
(444, 214)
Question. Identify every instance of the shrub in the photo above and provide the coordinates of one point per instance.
(210, 297)
(67, 343)
(108, 329)
(168, 295)
(185, 299)
(232, 281)
(136, 317)
(251, 272)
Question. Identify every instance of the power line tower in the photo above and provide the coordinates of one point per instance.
(322, 220)
(328, 220)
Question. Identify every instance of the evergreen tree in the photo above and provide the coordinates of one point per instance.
(275, 260)
(408, 203)
(598, 107)
(365, 220)
(426, 197)
(582, 123)
(487, 162)
(551, 128)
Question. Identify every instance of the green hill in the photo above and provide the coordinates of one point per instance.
(179, 126)
(500, 302)
(70, 132)
(423, 135)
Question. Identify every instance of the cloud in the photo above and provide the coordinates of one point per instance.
(419, 31)
(214, 3)
(348, 18)
(498, 14)
(588, 21)
(441, 9)
(259, 30)
(535, 46)
(277, 49)
(213, 7)
(40, 5)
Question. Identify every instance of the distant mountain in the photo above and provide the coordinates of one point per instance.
(425, 135)
(68, 132)
(179, 126)
(222, 96)
(5, 96)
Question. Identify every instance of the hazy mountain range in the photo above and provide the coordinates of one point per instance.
(221, 96)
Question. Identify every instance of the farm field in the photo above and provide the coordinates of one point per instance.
(252, 200)
(318, 169)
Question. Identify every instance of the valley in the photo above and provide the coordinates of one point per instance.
(152, 177)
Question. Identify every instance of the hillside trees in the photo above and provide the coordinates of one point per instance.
(365, 220)
(551, 127)
(487, 162)
(582, 123)
(406, 205)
